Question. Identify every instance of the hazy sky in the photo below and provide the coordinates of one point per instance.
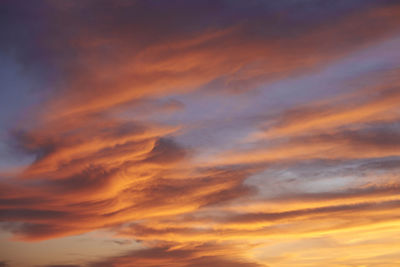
(215, 133)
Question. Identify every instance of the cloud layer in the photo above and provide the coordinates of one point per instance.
(219, 133)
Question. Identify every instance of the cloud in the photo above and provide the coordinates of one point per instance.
(101, 172)
(193, 256)
(331, 210)
(105, 155)
(290, 219)
(358, 126)
(374, 106)
(115, 57)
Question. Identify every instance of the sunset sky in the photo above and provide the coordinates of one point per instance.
(199, 133)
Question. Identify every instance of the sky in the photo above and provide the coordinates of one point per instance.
(200, 133)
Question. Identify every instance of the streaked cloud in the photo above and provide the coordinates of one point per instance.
(198, 133)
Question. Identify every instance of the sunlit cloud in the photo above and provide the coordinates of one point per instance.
(201, 133)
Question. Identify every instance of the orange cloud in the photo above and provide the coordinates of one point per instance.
(103, 159)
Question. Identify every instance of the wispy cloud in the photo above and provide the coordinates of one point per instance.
(207, 131)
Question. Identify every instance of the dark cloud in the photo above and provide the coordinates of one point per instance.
(367, 193)
(389, 163)
(165, 151)
(16, 202)
(37, 231)
(385, 136)
(24, 214)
